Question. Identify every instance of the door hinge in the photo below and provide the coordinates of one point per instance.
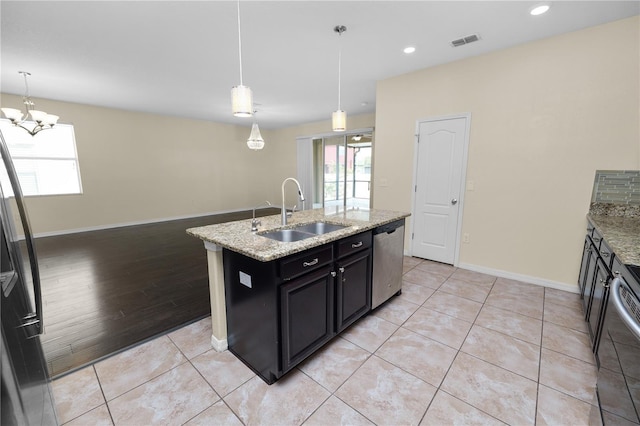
(415, 188)
(418, 138)
(412, 234)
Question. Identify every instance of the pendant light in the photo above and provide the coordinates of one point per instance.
(339, 117)
(255, 141)
(241, 96)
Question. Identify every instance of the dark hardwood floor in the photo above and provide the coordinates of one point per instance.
(106, 290)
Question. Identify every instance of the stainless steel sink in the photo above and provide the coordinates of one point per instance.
(319, 228)
(301, 232)
(287, 235)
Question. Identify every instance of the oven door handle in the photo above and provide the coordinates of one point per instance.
(617, 285)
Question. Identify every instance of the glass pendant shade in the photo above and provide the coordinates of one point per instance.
(51, 119)
(242, 101)
(12, 114)
(255, 140)
(339, 121)
(38, 116)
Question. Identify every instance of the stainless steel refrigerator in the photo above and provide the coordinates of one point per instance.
(26, 393)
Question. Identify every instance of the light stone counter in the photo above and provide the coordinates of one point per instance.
(622, 234)
(237, 236)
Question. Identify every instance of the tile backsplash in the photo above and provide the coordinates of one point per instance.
(616, 187)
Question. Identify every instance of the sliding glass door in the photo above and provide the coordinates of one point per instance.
(342, 170)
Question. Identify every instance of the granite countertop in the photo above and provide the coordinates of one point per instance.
(237, 236)
(622, 234)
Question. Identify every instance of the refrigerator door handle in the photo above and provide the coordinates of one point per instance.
(36, 321)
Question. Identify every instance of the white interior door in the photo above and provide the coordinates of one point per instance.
(440, 166)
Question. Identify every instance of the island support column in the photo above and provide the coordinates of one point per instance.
(216, 291)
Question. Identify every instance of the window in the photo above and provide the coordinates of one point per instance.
(47, 163)
(342, 170)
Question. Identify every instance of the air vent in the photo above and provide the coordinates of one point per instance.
(465, 40)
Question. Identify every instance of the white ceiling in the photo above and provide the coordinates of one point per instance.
(180, 58)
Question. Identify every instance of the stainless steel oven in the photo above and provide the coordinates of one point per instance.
(618, 386)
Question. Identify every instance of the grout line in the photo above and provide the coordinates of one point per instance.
(106, 403)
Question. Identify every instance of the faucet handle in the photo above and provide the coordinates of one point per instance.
(254, 224)
(293, 210)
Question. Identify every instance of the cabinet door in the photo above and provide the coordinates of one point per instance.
(584, 265)
(599, 302)
(306, 315)
(589, 278)
(353, 288)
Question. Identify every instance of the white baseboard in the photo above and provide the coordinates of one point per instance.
(140, 222)
(219, 345)
(520, 277)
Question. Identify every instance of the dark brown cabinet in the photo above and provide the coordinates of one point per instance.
(353, 288)
(595, 276)
(306, 315)
(599, 297)
(280, 312)
(584, 265)
(590, 256)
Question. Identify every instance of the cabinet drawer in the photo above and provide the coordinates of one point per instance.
(353, 244)
(307, 261)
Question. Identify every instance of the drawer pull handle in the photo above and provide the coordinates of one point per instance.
(597, 240)
(605, 254)
(313, 262)
(356, 245)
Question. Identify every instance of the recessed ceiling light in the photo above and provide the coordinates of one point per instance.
(409, 49)
(539, 9)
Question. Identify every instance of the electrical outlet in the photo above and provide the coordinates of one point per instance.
(471, 185)
(465, 238)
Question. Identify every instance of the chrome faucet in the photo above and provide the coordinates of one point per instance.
(284, 209)
(254, 221)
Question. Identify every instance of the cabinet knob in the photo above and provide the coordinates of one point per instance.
(333, 274)
(341, 270)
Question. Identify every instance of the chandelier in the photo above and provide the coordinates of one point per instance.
(255, 141)
(43, 120)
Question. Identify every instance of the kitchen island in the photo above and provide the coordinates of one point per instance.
(239, 238)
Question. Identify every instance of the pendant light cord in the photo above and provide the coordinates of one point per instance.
(339, 29)
(339, 69)
(239, 43)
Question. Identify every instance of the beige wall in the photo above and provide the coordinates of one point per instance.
(544, 117)
(139, 167)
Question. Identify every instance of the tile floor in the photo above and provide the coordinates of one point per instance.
(456, 347)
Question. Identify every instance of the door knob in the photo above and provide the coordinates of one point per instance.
(454, 202)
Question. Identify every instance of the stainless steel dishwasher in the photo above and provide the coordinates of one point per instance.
(388, 252)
